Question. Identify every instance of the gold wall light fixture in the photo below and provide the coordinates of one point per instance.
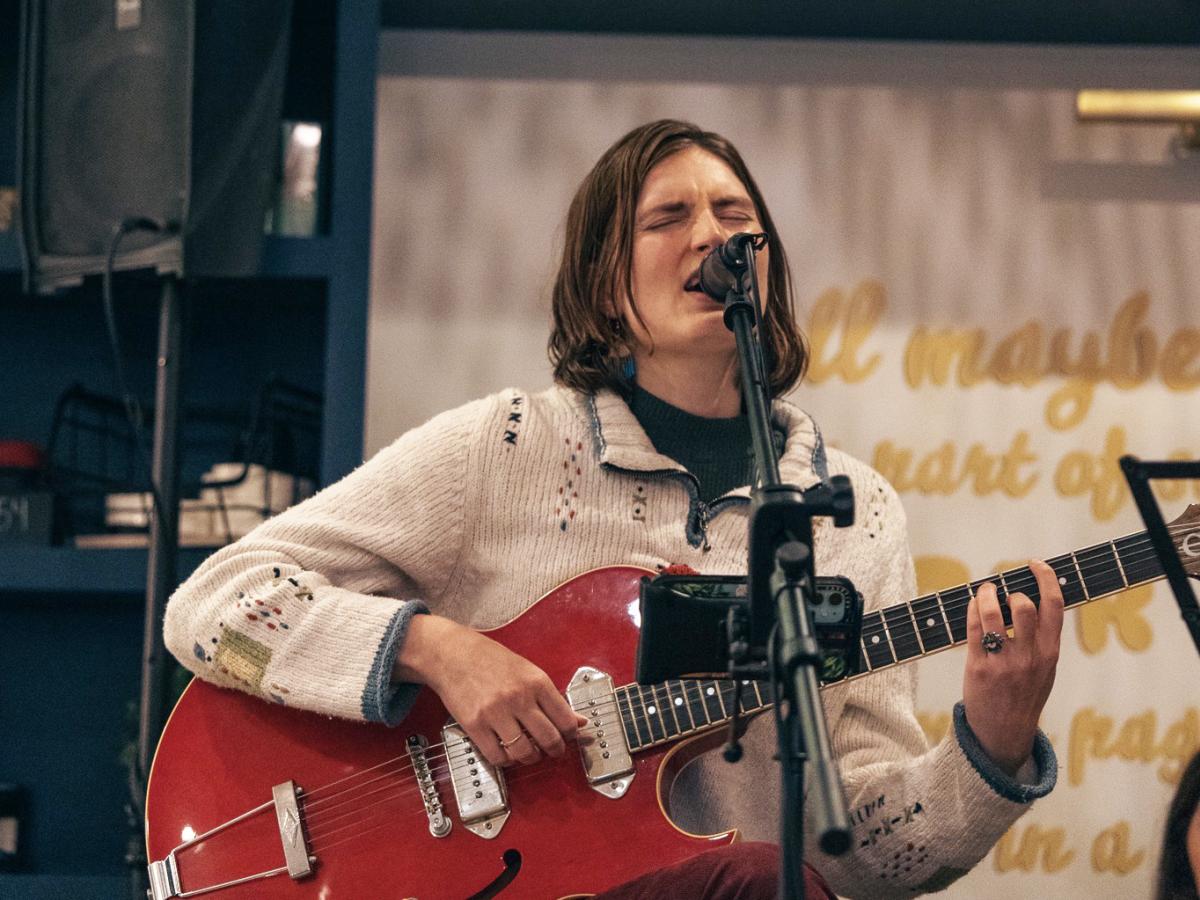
(1171, 107)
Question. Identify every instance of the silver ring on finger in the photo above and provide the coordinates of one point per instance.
(993, 642)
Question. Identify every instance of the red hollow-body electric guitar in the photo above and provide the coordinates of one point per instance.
(249, 799)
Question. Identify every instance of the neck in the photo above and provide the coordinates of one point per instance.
(696, 386)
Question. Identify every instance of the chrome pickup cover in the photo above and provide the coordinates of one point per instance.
(479, 787)
(602, 745)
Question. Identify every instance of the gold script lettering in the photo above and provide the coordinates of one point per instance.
(1034, 842)
(856, 320)
(1123, 612)
(1110, 851)
(945, 470)
(1091, 737)
(1080, 472)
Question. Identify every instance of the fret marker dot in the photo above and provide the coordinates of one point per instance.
(679, 701)
(1062, 579)
(652, 710)
(874, 639)
(929, 623)
(710, 691)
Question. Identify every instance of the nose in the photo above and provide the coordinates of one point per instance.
(708, 232)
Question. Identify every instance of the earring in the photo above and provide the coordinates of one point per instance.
(628, 369)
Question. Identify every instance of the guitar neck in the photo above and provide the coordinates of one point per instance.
(938, 621)
(659, 713)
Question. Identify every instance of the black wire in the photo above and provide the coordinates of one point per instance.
(133, 409)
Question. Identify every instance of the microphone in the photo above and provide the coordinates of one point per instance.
(722, 269)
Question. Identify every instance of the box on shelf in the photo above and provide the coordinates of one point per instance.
(236, 497)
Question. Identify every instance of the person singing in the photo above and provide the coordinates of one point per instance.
(639, 454)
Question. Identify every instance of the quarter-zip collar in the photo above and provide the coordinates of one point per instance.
(621, 443)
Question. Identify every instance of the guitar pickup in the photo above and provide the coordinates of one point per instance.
(479, 788)
(607, 764)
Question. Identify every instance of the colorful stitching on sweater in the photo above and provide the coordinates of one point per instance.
(639, 503)
(568, 491)
(243, 659)
(513, 422)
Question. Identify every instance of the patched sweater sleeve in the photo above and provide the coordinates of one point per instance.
(921, 817)
(311, 607)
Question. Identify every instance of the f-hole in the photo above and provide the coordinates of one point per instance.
(512, 865)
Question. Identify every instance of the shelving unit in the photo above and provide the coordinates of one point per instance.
(78, 611)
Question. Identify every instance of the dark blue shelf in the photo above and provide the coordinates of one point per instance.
(10, 252)
(59, 570)
(296, 257)
(283, 257)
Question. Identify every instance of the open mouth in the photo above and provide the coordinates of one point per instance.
(692, 285)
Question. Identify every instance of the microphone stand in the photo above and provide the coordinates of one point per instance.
(780, 586)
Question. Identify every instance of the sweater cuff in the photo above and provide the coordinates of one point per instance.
(997, 779)
(382, 700)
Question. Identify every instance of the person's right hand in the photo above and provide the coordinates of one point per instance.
(494, 694)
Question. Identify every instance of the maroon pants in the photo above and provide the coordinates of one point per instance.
(748, 871)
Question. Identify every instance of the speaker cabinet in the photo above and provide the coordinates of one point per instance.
(159, 110)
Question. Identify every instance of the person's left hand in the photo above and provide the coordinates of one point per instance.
(1004, 692)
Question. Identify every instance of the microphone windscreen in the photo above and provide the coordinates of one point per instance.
(715, 278)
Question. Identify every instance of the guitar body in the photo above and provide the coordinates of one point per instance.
(222, 752)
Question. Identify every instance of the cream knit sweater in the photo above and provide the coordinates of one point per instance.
(485, 508)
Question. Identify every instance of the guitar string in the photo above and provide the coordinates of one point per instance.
(1017, 580)
(444, 774)
(316, 798)
(954, 606)
(440, 775)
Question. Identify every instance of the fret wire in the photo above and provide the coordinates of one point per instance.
(631, 741)
(662, 720)
(1100, 567)
(647, 715)
(711, 695)
(866, 657)
(637, 737)
(945, 620)
(1120, 568)
(721, 700)
(916, 630)
(671, 703)
(1079, 572)
(645, 720)
(758, 694)
(887, 633)
(688, 706)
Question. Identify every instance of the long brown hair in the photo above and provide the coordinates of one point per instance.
(587, 347)
(1176, 880)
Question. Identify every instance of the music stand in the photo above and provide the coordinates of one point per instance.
(1139, 474)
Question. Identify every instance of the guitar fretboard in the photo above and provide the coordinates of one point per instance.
(939, 620)
(656, 714)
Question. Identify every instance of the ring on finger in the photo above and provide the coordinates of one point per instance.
(506, 744)
(993, 642)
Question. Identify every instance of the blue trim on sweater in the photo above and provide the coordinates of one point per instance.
(999, 780)
(383, 701)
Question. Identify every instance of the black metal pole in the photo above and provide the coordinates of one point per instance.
(780, 582)
(161, 563)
